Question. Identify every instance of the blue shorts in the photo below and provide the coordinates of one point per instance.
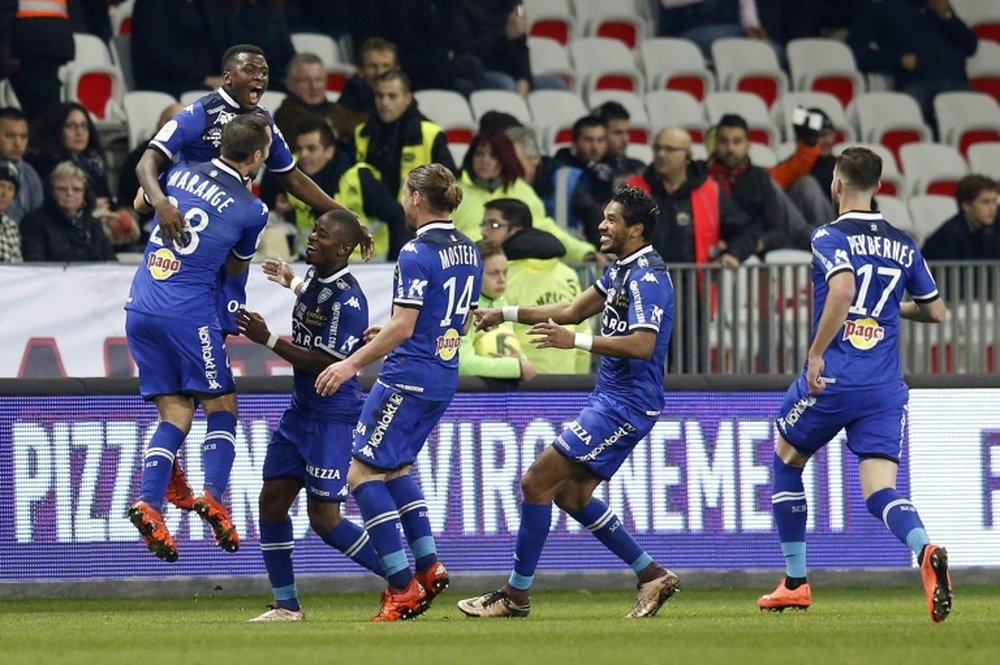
(394, 426)
(315, 451)
(874, 417)
(603, 435)
(178, 357)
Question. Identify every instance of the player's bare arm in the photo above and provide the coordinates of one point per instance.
(934, 311)
(838, 304)
(395, 332)
(586, 305)
(639, 344)
(305, 188)
(167, 215)
(252, 326)
(236, 266)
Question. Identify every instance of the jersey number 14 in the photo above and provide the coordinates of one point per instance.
(458, 305)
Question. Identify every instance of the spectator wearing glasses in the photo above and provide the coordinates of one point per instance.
(64, 229)
(307, 103)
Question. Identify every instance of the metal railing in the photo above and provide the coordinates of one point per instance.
(758, 320)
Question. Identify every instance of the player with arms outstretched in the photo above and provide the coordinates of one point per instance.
(853, 380)
(173, 328)
(636, 296)
(312, 446)
(435, 289)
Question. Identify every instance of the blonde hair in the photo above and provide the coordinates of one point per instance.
(437, 184)
(68, 171)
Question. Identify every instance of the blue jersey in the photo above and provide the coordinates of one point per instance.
(440, 272)
(331, 315)
(223, 217)
(638, 295)
(885, 262)
(195, 133)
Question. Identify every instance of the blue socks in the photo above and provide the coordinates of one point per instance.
(218, 452)
(382, 524)
(900, 517)
(158, 463)
(531, 535)
(412, 507)
(788, 503)
(276, 546)
(605, 525)
(356, 545)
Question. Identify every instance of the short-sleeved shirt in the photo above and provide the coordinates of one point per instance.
(330, 315)
(638, 295)
(195, 133)
(440, 272)
(885, 262)
(222, 217)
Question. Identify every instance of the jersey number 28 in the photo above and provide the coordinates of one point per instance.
(197, 221)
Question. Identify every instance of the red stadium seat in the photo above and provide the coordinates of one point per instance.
(988, 31)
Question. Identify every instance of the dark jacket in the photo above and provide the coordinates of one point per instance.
(358, 96)
(887, 29)
(533, 244)
(171, 49)
(48, 235)
(253, 23)
(480, 30)
(387, 141)
(673, 237)
(293, 113)
(957, 240)
(598, 185)
(752, 191)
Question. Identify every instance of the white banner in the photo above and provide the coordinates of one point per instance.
(70, 321)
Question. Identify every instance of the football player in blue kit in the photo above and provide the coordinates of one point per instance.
(173, 329)
(636, 299)
(435, 289)
(312, 446)
(853, 380)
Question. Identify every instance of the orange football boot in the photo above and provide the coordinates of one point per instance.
(179, 491)
(783, 598)
(402, 605)
(434, 580)
(149, 522)
(218, 518)
(937, 582)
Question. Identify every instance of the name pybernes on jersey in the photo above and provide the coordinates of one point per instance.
(201, 187)
(894, 250)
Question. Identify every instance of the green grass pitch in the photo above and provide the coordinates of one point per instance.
(882, 625)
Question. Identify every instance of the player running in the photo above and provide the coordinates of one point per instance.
(436, 286)
(312, 446)
(636, 297)
(173, 329)
(852, 378)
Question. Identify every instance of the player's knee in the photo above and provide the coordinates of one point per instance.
(324, 516)
(534, 488)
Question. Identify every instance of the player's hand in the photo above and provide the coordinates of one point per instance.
(367, 243)
(528, 371)
(333, 377)
(814, 368)
(550, 335)
(278, 271)
(371, 332)
(252, 325)
(171, 223)
(487, 318)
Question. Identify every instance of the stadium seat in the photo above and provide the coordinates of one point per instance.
(984, 158)
(932, 168)
(142, 110)
(761, 155)
(749, 65)
(614, 20)
(676, 64)
(982, 16)
(672, 107)
(99, 89)
(505, 101)
(639, 130)
(895, 212)
(967, 118)
(449, 110)
(550, 18)
(785, 149)
(458, 152)
(121, 17)
(930, 211)
(825, 65)
(605, 64)
(748, 105)
(822, 100)
(550, 57)
(191, 96)
(90, 51)
(337, 75)
(554, 112)
(322, 46)
(272, 99)
(890, 118)
(983, 69)
(121, 56)
(893, 182)
(7, 96)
